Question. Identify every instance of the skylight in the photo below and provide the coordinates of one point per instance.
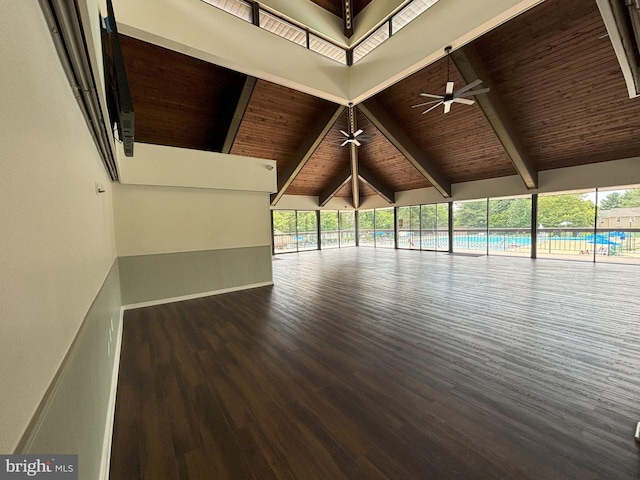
(301, 35)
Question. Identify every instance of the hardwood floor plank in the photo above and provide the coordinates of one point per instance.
(388, 364)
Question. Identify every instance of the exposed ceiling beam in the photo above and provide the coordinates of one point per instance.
(470, 66)
(335, 185)
(241, 107)
(353, 156)
(347, 18)
(377, 184)
(399, 139)
(313, 138)
(355, 187)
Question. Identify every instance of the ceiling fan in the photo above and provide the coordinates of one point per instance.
(450, 96)
(351, 137)
(351, 125)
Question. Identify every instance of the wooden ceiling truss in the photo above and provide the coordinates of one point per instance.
(394, 133)
(241, 108)
(323, 124)
(557, 99)
(470, 66)
(337, 183)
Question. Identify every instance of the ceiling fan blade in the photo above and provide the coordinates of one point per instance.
(431, 108)
(357, 133)
(447, 107)
(356, 142)
(449, 89)
(474, 92)
(466, 101)
(430, 95)
(345, 142)
(425, 103)
(344, 133)
(475, 83)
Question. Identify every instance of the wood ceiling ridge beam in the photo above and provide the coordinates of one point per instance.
(335, 185)
(238, 114)
(355, 186)
(469, 64)
(314, 137)
(399, 139)
(376, 184)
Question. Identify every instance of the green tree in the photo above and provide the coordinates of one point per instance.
(307, 222)
(347, 220)
(365, 219)
(630, 198)
(284, 221)
(328, 221)
(384, 218)
(442, 215)
(471, 214)
(613, 200)
(571, 209)
(510, 213)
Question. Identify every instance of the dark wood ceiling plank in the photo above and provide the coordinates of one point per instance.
(336, 184)
(376, 184)
(180, 101)
(470, 66)
(385, 160)
(561, 85)
(390, 129)
(241, 107)
(314, 136)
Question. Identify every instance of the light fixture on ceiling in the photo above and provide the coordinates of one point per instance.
(450, 96)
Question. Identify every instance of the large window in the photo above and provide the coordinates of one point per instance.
(409, 227)
(294, 231)
(510, 226)
(470, 226)
(385, 231)
(366, 228)
(347, 223)
(617, 237)
(376, 228)
(434, 232)
(307, 230)
(329, 231)
(424, 227)
(566, 225)
(337, 229)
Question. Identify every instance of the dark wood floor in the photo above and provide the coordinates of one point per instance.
(388, 364)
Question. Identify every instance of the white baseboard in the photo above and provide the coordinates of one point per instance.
(162, 301)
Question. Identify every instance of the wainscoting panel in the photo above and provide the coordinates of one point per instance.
(151, 278)
(76, 413)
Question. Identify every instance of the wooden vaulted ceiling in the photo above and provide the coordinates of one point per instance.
(557, 99)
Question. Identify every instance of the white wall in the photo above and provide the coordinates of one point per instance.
(57, 243)
(181, 167)
(156, 219)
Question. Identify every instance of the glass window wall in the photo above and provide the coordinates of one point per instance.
(470, 226)
(510, 226)
(347, 223)
(565, 225)
(617, 237)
